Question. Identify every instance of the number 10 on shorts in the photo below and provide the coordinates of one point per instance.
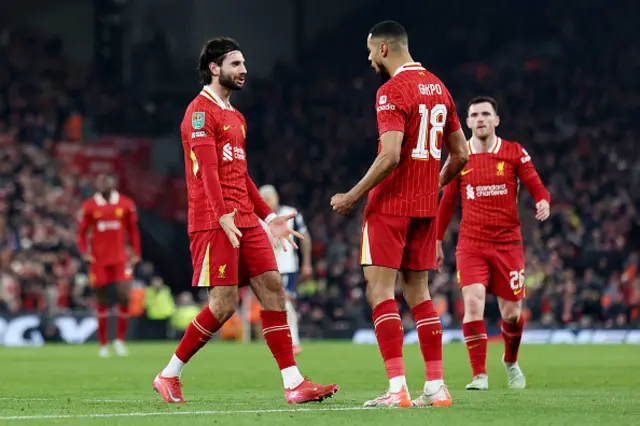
(516, 281)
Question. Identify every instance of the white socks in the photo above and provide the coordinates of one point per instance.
(174, 368)
(432, 386)
(396, 383)
(292, 320)
(291, 377)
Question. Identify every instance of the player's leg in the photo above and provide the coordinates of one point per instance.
(258, 264)
(99, 280)
(289, 282)
(473, 278)
(418, 257)
(508, 281)
(383, 239)
(123, 290)
(219, 274)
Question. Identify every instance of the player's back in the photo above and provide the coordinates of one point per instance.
(417, 103)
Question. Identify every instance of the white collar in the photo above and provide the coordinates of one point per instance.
(213, 97)
(409, 66)
(114, 197)
(497, 143)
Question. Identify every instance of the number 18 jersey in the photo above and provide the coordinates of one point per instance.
(415, 102)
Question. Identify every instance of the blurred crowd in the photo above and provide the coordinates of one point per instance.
(568, 99)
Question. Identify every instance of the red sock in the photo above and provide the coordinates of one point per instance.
(429, 330)
(512, 334)
(390, 335)
(278, 337)
(475, 336)
(102, 313)
(198, 333)
(123, 322)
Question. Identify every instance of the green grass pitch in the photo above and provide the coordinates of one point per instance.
(240, 385)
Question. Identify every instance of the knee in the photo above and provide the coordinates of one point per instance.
(511, 313)
(377, 292)
(474, 305)
(274, 297)
(223, 306)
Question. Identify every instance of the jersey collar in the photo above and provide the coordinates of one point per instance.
(113, 198)
(409, 66)
(213, 97)
(493, 150)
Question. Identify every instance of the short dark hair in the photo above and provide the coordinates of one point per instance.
(483, 99)
(390, 30)
(214, 50)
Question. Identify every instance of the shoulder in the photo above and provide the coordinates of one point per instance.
(88, 204)
(515, 151)
(127, 201)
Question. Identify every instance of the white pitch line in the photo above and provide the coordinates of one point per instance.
(89, 400)
(178, 413)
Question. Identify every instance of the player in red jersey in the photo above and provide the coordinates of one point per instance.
(489, 254)
(229, 247)
(416, 114)
(109, 216)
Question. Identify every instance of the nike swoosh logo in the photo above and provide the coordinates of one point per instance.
(172, 397)
(226, 128)
(465, 172)
(474, 346)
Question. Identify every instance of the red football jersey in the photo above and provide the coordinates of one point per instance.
(208, 121)
(489, 186)
(109, 221)
(415, 102)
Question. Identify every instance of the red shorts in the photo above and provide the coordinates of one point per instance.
(398, 242)
(216, 262)
(102, 275)
(499, 269)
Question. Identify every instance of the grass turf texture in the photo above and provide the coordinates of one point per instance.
(240, 385)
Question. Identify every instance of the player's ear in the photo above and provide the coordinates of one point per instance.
(497, 120)
(468, 120)
(384, 49)
(214, 68)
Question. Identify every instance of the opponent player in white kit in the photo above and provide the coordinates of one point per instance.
(291, 267)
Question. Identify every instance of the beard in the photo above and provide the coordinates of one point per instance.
(382, 71)
(228, 82)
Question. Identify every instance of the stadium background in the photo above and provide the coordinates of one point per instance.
(90, 86)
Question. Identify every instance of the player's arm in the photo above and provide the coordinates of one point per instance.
(456, 144)
(206, 154)
(386, 161)
(306, 269)
(85, 221)
(447, 207)
(260, 207)
(391, 120)
(134, 233)
(528, 175)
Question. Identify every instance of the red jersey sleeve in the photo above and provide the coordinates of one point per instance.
(453, 122)
(390, 109)
(260, 207)
(132, 228)
(447, 207)
(206, 125)
(528, 175)
(85, 221)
